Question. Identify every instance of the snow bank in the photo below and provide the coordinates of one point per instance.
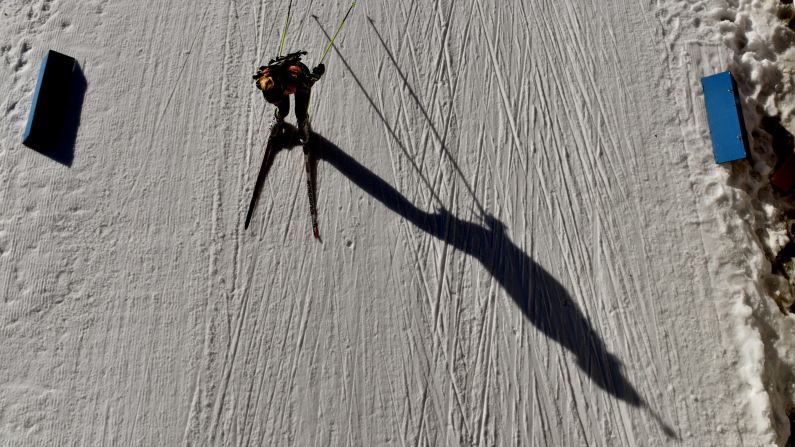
(761, 37)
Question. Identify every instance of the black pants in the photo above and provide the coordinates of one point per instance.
(301, 106)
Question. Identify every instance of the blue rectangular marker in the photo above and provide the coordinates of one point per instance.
(726, 125)
(50, 101)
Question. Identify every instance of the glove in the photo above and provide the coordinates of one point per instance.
(319, 70)
(259, 73)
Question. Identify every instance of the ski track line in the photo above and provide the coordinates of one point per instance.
(428, 353)
(229, 362)
(502, 86)
(441, 143)
(218, 184)
(670, 77)
(506, 105)
(284, 407)
(245, 436)
(567, 245)
(156, 124)
(388, 128)
(421, 275)
(402, 111)
(231, 353)
(429, 124)
(489, 359)
(285, 334)
(281, 366)
(447, 355)
(237, 252)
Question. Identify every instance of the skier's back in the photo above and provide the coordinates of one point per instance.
(285, 76)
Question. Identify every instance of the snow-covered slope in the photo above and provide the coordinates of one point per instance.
(525, 239)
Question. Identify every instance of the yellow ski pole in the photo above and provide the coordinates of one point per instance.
(286, 24)
(331, 42)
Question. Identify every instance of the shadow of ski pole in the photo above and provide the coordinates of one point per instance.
(544, 302)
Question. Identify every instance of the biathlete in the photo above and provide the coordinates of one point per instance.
(282, 77)
(285, 76)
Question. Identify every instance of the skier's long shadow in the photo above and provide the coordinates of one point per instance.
(542, 299)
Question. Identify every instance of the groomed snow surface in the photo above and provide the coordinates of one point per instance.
(525, 238)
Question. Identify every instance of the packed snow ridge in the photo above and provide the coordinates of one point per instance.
(761, 37)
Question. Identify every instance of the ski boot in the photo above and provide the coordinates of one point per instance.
(304, 129)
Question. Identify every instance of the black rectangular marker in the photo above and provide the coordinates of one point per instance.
(50, 102)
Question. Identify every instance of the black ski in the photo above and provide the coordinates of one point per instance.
(310, 163)
(267, 162)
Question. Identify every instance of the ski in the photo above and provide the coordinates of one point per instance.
(310, 163)
(267, 162)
